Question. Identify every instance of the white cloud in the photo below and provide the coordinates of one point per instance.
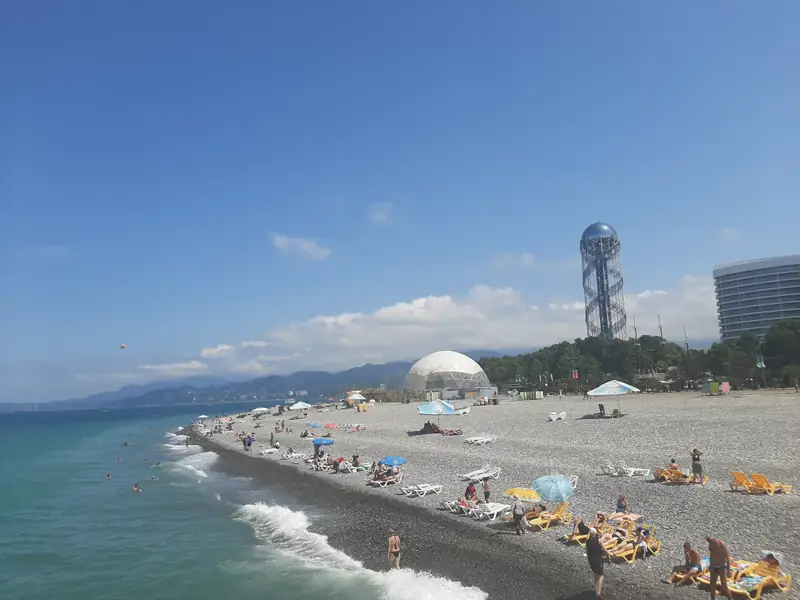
(216, 351)
(729, 234)
(577, 305)
(178, 369)
(254, 344)
(485, 317)
(379, 212)
(301, 246)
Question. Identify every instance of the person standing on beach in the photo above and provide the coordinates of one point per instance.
(596, 553)
(697, 468)
(393, 553)
(719, 558)
(486, 491)
(518, 512)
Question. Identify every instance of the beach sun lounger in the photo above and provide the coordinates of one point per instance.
(349, 468)
(382, 483)
(294, 456)
(266, 451)
(742, 483)
(546, 519)
(490, 511)
(490, 474)
(750, 580)
(456, 506)
(633, 471)
(485, 440)
(765, 486)
(471, 474)
(610, 469)
(421, 490)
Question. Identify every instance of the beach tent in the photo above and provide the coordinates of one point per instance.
(299, 406)
(260, 409)
(613, 388)
(356, 398)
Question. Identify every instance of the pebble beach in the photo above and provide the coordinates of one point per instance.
(753, 432)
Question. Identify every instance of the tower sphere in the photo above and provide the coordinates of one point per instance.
(598, 230)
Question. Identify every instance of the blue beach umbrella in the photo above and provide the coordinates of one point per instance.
(437, 408)
(313, 424)
(392, 461)
(553, 488)
(322, 441)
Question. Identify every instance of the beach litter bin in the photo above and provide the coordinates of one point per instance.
(495, 401)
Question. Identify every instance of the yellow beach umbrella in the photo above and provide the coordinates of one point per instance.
(524, 494)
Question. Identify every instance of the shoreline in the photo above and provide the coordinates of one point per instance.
(738, 432)
(490, 558)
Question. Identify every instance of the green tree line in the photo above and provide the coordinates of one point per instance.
(597, 360)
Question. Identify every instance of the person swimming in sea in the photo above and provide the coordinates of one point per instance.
(108, 476)
(154, 478)
(136, 488)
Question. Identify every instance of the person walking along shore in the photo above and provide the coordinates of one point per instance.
(393, 553)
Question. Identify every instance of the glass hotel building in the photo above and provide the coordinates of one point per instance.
(753, 295)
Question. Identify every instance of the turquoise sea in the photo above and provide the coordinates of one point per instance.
(66, 532)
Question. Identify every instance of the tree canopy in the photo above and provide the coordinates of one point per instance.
(597, 360)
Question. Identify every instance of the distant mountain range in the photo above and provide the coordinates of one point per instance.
(204, 390)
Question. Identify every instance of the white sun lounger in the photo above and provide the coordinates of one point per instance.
(386, 482)
(265, 451)
(610, 469)
(421, 490)
(348, 468)
(633, 471)
(485, 440)
(490, 511)
(471, 474)
(294, 456)
(488, 474)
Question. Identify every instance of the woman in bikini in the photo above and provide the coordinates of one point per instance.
(393, 553)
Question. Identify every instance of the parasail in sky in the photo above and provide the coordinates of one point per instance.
(122, 346)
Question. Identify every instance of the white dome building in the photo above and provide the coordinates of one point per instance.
(446, 370)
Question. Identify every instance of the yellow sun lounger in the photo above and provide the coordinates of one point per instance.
(680, 477)
(742, 483)
(651, 543)
(765, 486)
(752, 580)
(559, 515)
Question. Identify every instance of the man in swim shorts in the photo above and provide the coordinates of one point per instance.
(596, 554)
(720, 567)
(393, 553)
(691, 568)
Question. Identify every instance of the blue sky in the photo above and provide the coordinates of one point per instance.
(179, 176)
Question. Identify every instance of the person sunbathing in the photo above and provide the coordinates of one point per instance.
(613, 538)
(466, 504)
(637, 543)
(693, 566)
(597, 525)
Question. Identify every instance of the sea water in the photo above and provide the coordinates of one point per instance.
(67, 532)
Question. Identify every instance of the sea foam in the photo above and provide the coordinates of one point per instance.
(197, 464)
(287, 531)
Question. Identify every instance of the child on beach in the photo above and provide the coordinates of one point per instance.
(486, 491)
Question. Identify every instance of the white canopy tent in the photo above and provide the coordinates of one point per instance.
(612, 388)
(299, 406)
(356, 398)
(258, 410)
